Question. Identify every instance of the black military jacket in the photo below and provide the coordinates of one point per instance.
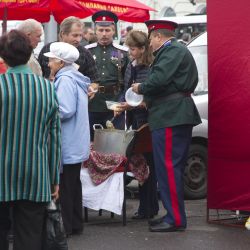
(111, 62)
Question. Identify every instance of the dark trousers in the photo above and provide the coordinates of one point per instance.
(28, 219)
(102, 118)
(149, 205)
(170, 147)
(71, 198)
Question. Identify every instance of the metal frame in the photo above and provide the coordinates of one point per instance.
(227, 218)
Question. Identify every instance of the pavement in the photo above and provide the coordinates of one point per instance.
(105, 233)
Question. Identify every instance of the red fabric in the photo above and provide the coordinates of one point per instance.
(102, 165)
(39, 10)
(229, 109)
(114, 3)
(131, 10)
(159, 24)
(104, 18)
(64, 8)
(3, 68)
(171, 178)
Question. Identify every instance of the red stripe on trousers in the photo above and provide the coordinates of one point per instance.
(170, 175)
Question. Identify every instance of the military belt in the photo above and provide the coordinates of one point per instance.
(110, 89)
(169, 97)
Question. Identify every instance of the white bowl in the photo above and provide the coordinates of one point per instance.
(132, 98)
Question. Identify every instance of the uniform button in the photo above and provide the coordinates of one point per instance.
(104, 52)
(103, 66)
(103, 59)
(102, 73)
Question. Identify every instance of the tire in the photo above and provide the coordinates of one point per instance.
(195, 175)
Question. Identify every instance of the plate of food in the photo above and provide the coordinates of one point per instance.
(112, 105)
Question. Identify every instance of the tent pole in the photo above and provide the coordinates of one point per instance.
(4, 23)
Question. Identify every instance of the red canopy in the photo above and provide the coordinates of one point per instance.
(14, 10)
(131, 10)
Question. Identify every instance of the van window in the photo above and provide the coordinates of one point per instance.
(189, 26)
(193, 29)
(200, 56)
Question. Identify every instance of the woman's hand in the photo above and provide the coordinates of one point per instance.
(120, 108)
(92, 90)
(55, 193)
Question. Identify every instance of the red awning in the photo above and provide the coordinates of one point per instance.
(131, 10)
(14, 10)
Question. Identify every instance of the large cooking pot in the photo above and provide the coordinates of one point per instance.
(111, 140)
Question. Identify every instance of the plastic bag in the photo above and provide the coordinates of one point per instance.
(54, 235)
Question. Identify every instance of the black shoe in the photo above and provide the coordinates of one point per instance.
(155, 221)
(165, 227)
(138, 216)
(77, 231)
(68, 234)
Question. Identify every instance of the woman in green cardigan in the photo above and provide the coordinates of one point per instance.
(29, 145)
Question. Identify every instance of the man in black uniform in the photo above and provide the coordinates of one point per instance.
(111, 60)
(71, 30)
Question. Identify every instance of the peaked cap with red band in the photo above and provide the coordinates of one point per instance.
(104, 18)
(160, 24)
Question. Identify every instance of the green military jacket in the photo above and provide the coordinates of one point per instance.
(173, 71)
(111, 62)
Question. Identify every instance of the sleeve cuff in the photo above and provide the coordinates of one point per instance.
(140, 88)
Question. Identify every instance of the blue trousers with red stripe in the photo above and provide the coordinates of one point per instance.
(170, 147)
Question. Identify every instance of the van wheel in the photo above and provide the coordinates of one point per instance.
(195, 175)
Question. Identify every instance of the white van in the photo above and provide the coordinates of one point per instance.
(195, 176)
(188, 26)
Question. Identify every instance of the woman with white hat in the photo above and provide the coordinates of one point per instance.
(72, 92)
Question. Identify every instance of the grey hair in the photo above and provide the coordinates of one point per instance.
(66, 24)
(29, 25)
(164, 32)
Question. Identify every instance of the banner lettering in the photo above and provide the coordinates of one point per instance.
(97, 6)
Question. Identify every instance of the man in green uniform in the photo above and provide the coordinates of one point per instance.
(111, 60)
(172, 114)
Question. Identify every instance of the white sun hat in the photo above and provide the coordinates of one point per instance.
(63, 51)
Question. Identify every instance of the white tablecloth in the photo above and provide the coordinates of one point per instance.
(108, 195)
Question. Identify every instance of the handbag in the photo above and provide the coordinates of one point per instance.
(54, 233)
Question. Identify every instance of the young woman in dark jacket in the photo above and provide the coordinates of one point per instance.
(137, 71)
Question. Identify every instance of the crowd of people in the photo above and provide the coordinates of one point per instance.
(48, 107)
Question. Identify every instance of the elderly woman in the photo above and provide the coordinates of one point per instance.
(72, 91)
(30, 145)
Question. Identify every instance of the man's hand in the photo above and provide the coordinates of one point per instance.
(135, 87)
